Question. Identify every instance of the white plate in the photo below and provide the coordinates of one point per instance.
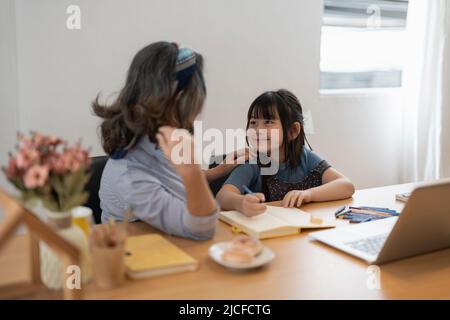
(216, 250)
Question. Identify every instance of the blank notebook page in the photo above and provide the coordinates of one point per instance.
(258, 223)
(294, 217)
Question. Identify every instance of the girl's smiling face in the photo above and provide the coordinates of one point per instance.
(275, 127)
(265, 134)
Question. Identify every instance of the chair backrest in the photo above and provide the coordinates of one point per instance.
(93, 186)
(218, 183)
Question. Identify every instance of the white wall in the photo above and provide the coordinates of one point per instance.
(9, 117)
(9, 112)
(250, 46)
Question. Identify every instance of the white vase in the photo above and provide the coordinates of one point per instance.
(51, 266)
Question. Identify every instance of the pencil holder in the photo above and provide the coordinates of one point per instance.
(108, 265)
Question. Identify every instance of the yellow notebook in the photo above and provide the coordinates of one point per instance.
(152, 255)
(275, 222)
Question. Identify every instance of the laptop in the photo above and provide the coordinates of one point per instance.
(422, 226)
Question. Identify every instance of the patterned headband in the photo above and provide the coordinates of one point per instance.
(185, 67)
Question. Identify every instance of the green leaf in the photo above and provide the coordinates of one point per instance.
(67, 182)
(18, 183)
(75, 200)
(50, 203)
(70, 181)
(57, 184)
(80, 180)
(28, 195)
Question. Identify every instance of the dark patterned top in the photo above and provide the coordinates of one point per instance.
(307, 175)
(275, 189)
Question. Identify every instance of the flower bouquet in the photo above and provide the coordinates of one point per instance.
(46, 168)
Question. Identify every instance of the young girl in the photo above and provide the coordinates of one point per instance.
(303, 176)
(164, 90)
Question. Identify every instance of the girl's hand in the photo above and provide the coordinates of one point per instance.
(252, 205)
(230, 162)
(296, 198)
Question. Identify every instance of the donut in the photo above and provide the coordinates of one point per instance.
(238, 255)
(243, 241)
(242, 249)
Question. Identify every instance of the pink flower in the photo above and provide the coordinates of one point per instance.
(68, 160)
(75, 166)
(12, 170)
(56, 163)
(40, 156)
(36, 176)
(53, 140)
(38, 139)
(26, 157)
(82, 156)
(25, 143)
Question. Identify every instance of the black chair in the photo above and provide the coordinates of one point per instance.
(93, 186)
(218, 183)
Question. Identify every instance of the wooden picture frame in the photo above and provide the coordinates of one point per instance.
(15, 215)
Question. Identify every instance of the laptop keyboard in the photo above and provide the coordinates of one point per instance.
(371, 245)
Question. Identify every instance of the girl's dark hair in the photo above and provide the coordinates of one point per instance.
(284, 105)
(149, 99)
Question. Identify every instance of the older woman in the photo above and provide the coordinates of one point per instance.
(164, 90)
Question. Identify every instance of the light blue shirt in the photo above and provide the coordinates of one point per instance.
(147, 181)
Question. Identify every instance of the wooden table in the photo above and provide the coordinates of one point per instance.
(302, 268)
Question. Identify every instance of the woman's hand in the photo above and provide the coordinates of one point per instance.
(178, 146)
(252, 204)
(296, 198)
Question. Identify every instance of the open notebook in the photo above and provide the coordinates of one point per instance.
(275, 222)
(152, 255)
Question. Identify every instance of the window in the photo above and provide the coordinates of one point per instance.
(362, 43)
